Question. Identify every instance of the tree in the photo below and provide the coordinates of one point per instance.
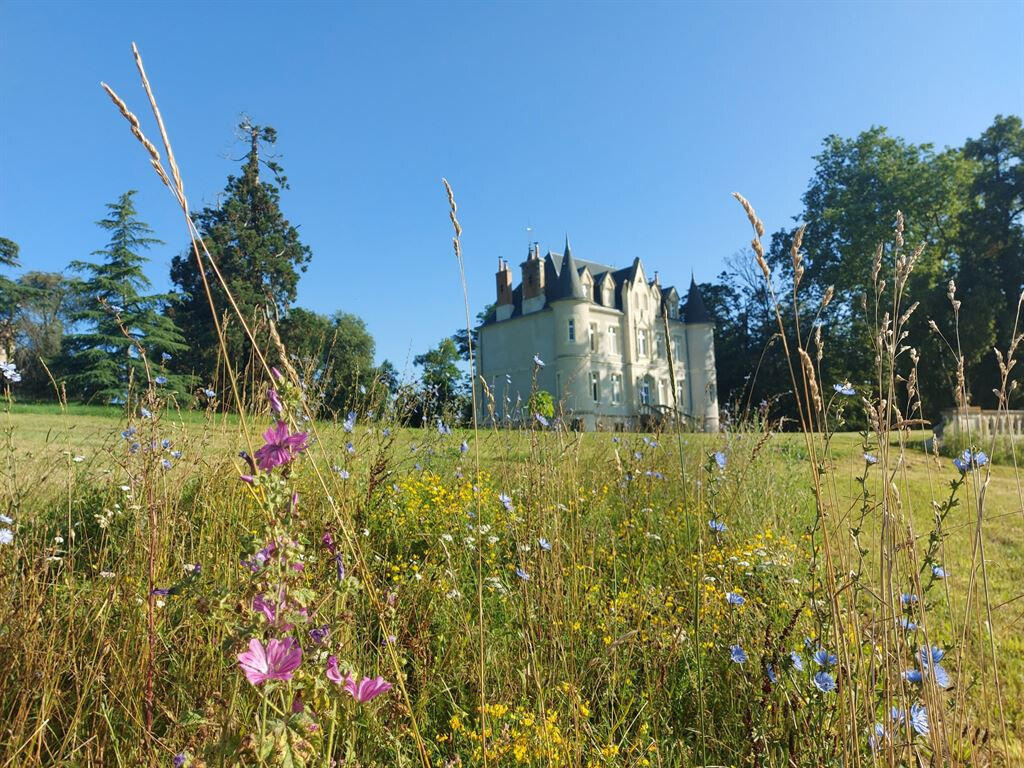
(117, 316)
(10, 297)
(8, 253)
(850, 208)
(461, 336)
(257, 250)
(334, 354)
(990, 268)
(444, 386)
(45, 308)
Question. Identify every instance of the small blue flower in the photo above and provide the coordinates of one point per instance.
(844, 389)
(209, 393)
(161, 380)
(717, 526)
(350, 448)
(907, 624)
(824, 682)
(737, 654)
(720, 459)
(164, 357)
(166, 463)
(919, 718)
(442, 428)
(165, 443)
(506, 501)
(179, 760)
(537, 361)
(824, 659)
(938, 572)
(970, 460)
(913, 676)
(128, 433)
(870, 458)
(134, 447)
(770, 672)
(176, 454)
(734, 599)
(544, 544)
(146, 413)
(522, 574)
(876, 739)
(464, 447)
(541, 420)
(908, 598)
(798, 661)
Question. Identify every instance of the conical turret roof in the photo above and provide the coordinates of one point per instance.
(696, 310)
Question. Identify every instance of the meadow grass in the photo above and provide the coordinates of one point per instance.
(591, 661)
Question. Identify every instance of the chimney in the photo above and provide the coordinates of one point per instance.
(533, 274)
(504, 280)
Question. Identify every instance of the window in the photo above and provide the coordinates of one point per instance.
(572, 330)
(645, 393)
(595, 386)
(616, 388)
(641, 342)
(660, 341)
(595, 340)
(677, 347)
(613, 339)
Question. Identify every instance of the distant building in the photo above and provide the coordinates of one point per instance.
(601, 334)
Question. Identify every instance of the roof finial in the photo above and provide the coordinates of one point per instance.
(568, 249)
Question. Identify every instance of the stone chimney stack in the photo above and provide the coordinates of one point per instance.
(533, 275)
(504, 280)
(534, 297)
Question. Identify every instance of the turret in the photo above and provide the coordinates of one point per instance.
(702, 387)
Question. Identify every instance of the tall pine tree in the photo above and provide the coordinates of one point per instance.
(117, 316)
(256, 249)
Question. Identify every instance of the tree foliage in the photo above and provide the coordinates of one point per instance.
(962, 209)
(117, 317)
(257, 250)
(334, 355)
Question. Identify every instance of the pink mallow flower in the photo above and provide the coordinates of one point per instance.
(277, 662)
(275, 400)
(268, 609)
(367, 688)
(281, 447)
(362, 691)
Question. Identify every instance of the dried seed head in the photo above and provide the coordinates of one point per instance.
(829, 292)
(133, 121)
(751, 215)
(899, 229)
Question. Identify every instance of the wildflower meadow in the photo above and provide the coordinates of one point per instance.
(233, 579)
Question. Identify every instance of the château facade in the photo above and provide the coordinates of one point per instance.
(601, 334)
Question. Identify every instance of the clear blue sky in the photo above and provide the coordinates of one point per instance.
(625, 125)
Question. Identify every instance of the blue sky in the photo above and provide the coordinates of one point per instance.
(625, 125)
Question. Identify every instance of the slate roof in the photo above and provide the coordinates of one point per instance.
(695, 310)
(562, 273)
